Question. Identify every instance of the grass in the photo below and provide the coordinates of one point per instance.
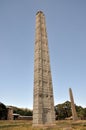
(27, 125)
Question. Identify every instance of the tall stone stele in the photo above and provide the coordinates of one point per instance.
(74, 114)
(43, 105)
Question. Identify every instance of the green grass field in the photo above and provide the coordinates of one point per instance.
(27, 125)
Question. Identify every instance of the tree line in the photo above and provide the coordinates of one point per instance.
(62, 111)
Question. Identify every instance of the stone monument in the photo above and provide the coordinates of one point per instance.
(9, 113)
(74, 114)
(43, 104)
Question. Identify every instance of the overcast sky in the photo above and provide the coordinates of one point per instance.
(66, 28)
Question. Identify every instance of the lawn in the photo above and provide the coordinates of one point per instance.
(27, 125)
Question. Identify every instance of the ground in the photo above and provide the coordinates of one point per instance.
(27, 125)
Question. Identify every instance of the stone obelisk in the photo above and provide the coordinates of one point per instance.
(74, 114)
(43, 104)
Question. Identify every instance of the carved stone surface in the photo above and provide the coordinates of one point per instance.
(9, 113)
(74, 114)
(43, 105)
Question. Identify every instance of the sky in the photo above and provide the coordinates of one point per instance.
(66, 30)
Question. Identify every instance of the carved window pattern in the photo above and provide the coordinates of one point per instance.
(40, 95)
(47, 95)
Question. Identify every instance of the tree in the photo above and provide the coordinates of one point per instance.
(81, 112)
(63, 110)
(3, 112)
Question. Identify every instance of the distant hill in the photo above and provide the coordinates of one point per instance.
(22, 111)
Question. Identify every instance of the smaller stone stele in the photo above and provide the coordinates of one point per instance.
(9, 113)
(74, 113)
